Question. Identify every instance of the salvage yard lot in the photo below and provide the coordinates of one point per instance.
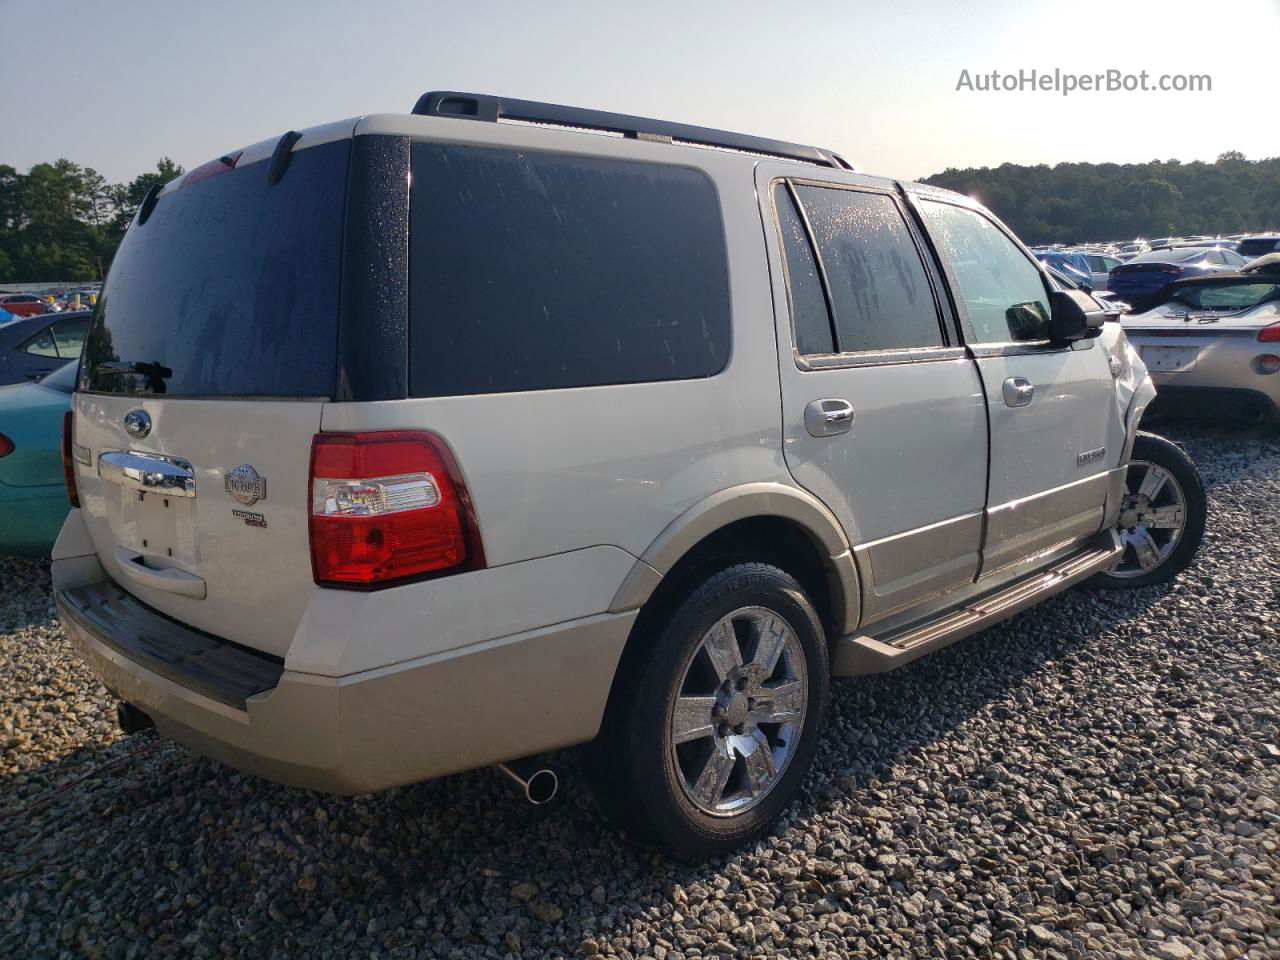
(1098, 777)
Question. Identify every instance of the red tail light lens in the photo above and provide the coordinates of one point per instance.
(68, 465)
(1269, 334)
(1174, 270)
(6, 446)
(387, 508)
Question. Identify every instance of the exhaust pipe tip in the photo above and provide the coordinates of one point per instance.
(540, 784)
(541, 787)
(131, 719)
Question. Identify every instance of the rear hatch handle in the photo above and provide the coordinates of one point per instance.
(168, 579)
(148, 472)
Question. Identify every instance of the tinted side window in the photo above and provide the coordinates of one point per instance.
(880, 292)
(810, 320)
(532, 271)
(41, 344)
(1215, 257)
(69, 336)
(1003, 290)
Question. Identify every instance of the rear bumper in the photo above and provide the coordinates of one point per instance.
(478, 705)
(1205, 401)
(1223, 380)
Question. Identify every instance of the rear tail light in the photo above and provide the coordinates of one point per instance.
(68, 465)
(6, 446)
(387, 508)
(1173, 270)
(1269, 334)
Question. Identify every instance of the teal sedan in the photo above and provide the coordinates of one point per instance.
(33, 495)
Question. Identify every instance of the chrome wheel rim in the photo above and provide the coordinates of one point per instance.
(736, 720)
(1152, 516)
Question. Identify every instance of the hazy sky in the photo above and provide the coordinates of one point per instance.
(116, 85)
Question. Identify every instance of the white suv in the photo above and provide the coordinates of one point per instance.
(411, 444)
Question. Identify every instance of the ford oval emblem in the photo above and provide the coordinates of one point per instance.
(245, 485)
(137, 424)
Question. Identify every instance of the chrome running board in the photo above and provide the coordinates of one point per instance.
(856, 654)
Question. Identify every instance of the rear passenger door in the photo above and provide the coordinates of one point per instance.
(883, 414)
(1048, 403)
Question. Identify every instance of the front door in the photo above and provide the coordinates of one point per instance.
(883, 413)
(1048, 404)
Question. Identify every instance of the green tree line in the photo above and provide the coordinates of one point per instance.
(1090, 202)
(61, 221)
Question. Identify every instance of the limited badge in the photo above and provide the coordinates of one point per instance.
(250, 519)
(245, 485)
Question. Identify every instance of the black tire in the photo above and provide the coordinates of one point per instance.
(633, 769)
(1150, 448)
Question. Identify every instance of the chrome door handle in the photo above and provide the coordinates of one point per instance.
(1018, 392)
(828, 418)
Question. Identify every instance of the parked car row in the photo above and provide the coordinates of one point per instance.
(53, 301)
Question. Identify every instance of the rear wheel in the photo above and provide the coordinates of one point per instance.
(1162, 516)
(714, 723)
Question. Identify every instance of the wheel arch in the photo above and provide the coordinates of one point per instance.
(763, 521)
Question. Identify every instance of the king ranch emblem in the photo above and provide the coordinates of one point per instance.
(245, 485)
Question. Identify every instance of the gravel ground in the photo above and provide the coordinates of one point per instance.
(1099, 777)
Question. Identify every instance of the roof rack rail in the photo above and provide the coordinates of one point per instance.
(477, 106)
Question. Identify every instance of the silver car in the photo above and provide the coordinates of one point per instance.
(415, 443)
(1212, 344)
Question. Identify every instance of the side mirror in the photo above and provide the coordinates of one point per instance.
(1074, 316)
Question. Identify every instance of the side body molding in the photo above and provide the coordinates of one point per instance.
(744, 502)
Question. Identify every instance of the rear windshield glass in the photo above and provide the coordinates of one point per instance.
(1257, 246)
(531, 271)
(1226, 296)
(229, 289)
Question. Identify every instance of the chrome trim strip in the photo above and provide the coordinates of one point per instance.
(871, 358)
(1018, 348)
(148, 472)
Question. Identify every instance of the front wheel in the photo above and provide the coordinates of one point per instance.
(1161, 518)
(712, 727)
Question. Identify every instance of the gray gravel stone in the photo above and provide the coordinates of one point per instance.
(1097, 778)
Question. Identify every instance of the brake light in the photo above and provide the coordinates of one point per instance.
(1174, 270)
(68, 465)
(387, 508)
(1270, 334)
(6, 446)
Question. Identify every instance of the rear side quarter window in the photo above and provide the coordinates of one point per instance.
(41, 344)
(535, 271)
